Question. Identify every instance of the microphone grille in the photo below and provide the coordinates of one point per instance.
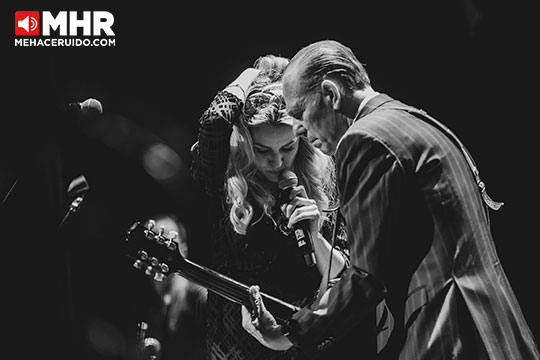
(77, 187)
(152, 346)
(91, 106)
(287, 179)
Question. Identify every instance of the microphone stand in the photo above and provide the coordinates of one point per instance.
(76, 192)
(147, 348)
(9, 192)
(73, 207)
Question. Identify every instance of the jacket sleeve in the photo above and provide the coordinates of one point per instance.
(369, 181)
(211, 151)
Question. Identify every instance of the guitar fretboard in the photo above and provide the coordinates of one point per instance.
(233, 290)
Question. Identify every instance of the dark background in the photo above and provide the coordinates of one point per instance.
(72, 293)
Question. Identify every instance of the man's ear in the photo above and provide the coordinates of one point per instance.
(331, 93)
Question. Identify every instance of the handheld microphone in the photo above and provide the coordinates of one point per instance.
(287, 181)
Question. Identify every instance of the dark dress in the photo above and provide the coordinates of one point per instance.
(265, 256)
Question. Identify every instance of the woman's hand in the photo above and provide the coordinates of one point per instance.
(262, 325)
(300, 207)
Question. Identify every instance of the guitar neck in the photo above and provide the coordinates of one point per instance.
(233, 290)
(158, 256)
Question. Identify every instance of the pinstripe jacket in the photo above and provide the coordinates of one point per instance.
(419, 238)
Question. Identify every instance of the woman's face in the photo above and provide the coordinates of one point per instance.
(275, 148)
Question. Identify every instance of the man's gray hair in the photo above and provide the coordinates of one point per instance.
(327, 59)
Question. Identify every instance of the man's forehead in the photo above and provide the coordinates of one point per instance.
(294, 105)
(293, 98)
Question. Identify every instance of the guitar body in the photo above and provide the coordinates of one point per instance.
(159, 257)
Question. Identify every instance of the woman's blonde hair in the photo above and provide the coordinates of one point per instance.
(245, 185)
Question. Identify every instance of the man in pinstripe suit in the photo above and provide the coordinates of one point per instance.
(418, 229)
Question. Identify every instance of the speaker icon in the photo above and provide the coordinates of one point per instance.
(27, 23)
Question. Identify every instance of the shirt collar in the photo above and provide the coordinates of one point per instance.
(370, 94)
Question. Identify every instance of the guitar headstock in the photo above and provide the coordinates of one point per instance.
(153, 252)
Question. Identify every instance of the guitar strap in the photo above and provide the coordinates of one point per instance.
(422, 115)
(385, 321)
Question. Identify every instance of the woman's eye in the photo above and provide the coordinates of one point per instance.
(290, 148)
(261, 151)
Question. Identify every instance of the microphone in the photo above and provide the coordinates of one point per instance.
(151, 348)
(90, 106)
(77, 187)
(148, 348)
(287, 181)
(85, 116)
(76, 191)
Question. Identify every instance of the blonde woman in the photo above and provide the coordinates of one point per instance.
(246, 142)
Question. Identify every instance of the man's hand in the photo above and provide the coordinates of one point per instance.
(262, 325)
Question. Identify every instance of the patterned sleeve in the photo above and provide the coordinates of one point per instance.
(211, 151)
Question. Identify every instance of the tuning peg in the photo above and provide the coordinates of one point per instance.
(143, 255)
(161, 230)
(150, 271)
(138, 264)
(164, 268)
(154, 261)
(159, 276)
(171, 245)
(160, 240)
(150, 224)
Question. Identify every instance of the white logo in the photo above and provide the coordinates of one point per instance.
(29, 23)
